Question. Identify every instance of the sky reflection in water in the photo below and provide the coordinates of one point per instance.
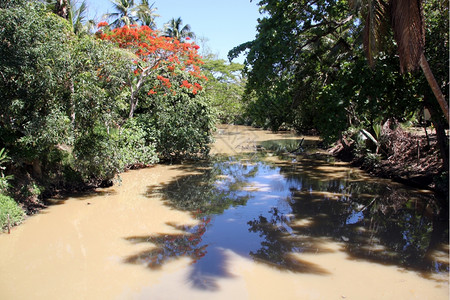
(269, 211)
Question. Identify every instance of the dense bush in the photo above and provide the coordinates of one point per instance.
(35, 67)
(183, 126)
(9, 207)
(96, 155)
(65, 107)
(137, 142)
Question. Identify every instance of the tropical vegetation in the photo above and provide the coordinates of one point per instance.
(129, 12)
(175, 29)
(79, 108)
(83, 101)
(341, 66)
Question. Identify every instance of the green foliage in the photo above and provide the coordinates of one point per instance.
(137, 142)
(4, 184)
(292, 58)
(183, 126)
(52, 91)
(363, 97)
(436, 14)
(64, 110)
(9, 207)
(306, 69)
(31, 190)
(95, 154)
(35, 66)
(377, 129)
(99, 91)
(225, 88)
(5, 4)
(101, 153)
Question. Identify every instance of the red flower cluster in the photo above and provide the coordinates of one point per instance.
(165, 81)
(186, 84)
(156, 53)
(195, 87)
(102, 24)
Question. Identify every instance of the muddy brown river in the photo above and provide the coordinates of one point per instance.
(255, 221)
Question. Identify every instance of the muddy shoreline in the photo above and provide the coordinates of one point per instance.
(408, 158)
(425, 172)
(244, 225)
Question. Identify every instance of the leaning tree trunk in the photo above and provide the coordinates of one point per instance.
(434, 85)
(441, 137)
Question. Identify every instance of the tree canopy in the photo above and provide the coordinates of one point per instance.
(77, 109)
(307, 69)
(175, 29)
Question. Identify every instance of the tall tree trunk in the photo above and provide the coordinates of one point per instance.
(434, 85)
(37, 169)
(440, 133)
(133, 100)
(132, 108)
(62, 8)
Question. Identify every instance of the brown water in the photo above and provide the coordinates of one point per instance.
(245, 224)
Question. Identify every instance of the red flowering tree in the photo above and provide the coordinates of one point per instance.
(165, 64)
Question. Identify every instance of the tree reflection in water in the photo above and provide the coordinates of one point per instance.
(274, 212)
(171, 246)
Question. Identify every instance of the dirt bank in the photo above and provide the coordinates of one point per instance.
(410, 157)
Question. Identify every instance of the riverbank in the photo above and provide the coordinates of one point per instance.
(408, 157)
(414, 160)
(244, 224)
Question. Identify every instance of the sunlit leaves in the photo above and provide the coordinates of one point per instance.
(161, 64)
(35, 66)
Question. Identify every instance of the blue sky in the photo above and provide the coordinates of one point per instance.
(225, 23)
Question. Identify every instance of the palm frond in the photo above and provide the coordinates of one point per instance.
(146, 14)
(376, 24)
(173, 29)
(409, 32)
(125, 13)
(78, 15)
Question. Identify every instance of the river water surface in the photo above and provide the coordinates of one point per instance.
(254, 221)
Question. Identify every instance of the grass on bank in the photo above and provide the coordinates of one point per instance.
(9, 206)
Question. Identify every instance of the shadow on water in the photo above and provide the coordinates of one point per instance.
(209, 262)
(272, 212)
(378, 222)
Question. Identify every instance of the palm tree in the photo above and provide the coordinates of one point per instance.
(173, 29)
(74, 12)
(128, 12)
(124, 14)
(146, 14)
(78, 14)
(62, 8)
(405, 17)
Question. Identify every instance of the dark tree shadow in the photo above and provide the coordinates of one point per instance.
(385, 224)
(295, 206)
